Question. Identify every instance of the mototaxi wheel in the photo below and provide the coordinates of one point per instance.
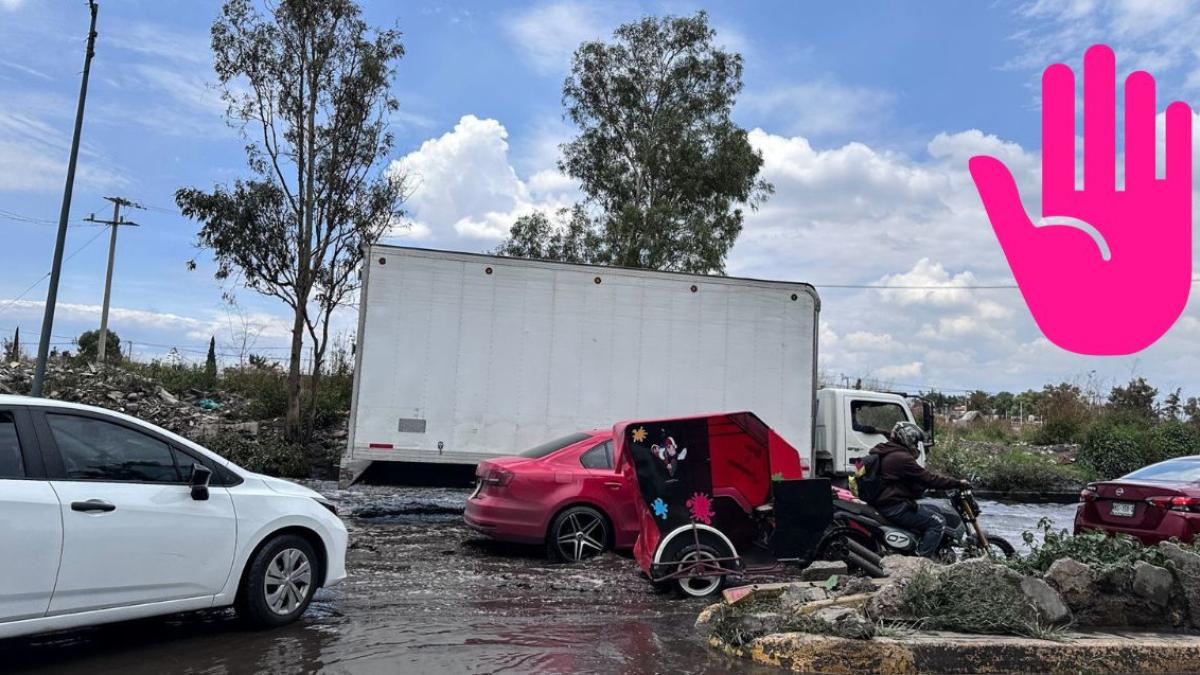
(685, 551)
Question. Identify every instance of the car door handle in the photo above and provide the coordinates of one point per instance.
(93, 505)
(612, 485)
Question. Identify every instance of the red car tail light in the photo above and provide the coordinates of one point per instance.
(1176, 503)
(498, 477)
(1087, 494)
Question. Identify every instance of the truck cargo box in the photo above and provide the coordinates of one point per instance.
(461, 357)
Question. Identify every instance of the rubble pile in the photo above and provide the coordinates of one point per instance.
(971, 596)
(127, 392)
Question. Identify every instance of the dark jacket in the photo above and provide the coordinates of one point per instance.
(903, 479)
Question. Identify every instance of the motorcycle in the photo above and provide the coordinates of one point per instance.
(861, 534)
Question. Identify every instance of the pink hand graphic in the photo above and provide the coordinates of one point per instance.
(1115, 282)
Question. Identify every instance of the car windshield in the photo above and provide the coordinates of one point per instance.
(539, 451)
(1184, 470)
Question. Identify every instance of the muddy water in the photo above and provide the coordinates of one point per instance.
(425, 595)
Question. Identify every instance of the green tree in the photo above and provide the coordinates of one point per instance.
(89, 342)
(309, 84)
(665, 170)
(1004, 403)
(1172, 406)
(210, 363)
(12, 348)
(1191, 411)
(569, 238)
(979, 400)
(1135, 400)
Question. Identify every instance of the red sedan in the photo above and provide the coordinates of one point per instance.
(1152, 504)
(567, 494)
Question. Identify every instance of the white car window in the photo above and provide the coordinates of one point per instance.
(93, 449)
(11, 464)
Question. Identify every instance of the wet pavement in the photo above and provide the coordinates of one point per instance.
(426, 595)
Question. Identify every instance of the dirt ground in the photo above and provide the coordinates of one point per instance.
(428, 595)
(425, 595)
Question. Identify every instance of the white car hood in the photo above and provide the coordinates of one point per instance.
(288, 488)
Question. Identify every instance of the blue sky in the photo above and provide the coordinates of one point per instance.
(866, 113)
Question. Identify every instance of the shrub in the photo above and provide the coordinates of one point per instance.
(1173, 438)
(1030, 472)
(1057, 431)
(958, 598)
(1095, 548)
(1111, 450)
(991, 430)
(266, 454)
(951, 458)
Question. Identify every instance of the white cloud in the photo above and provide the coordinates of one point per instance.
(821, 107)
(1157, 36)
(901, 370)
(549, 34)
(11, 5)
(465, 187)
(928, 283)
(34, 155)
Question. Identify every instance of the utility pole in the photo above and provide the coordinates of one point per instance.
(116, 222)
(39, 373)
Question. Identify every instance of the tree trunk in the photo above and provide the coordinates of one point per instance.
(292, 426)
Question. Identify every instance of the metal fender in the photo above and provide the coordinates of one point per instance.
(662, 545)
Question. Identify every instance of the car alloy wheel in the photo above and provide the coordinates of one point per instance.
(288, 581)
(581, 534)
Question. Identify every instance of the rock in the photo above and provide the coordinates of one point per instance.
(1152, 582)
(845, 622)
(888, 602)
(1048, 603)
(759, 623)
(848, 585)
(903, 567)
(1075, 581)
(821, 570)
(1187, 573)
(798, 594)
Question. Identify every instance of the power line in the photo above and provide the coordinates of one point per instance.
(25, 292)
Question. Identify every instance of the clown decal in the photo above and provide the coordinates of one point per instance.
(669, 454)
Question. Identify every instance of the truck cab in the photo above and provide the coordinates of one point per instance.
(851, 421)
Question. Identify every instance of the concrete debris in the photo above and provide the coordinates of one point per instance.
(127, 392)
(821, 570)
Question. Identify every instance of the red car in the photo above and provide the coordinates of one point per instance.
(567, 494)
(1152, 504)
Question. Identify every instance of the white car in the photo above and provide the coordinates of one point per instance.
(105, 518)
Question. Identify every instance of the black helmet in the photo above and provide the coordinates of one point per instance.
(908, 434)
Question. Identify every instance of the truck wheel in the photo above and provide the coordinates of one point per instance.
(576, 534)
(279, 582)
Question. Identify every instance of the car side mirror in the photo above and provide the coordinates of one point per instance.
(201, 475)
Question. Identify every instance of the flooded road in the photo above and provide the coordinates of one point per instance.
(426, 595)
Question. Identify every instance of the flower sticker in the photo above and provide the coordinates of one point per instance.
(639, 435)
(660, 508)
(701, 507)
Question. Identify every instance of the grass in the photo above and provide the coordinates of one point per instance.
(1009, 470)
(957, 599)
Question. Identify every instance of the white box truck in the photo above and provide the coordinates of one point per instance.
(461, 357)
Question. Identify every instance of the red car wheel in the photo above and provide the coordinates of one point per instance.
(578, 533)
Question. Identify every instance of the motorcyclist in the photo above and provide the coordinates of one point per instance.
(904, 481)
